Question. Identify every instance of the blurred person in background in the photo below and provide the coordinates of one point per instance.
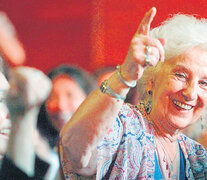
(70, 86)
(23, 97)
(13, 54)
(46, 161)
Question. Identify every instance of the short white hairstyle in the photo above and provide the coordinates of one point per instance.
(181, 32)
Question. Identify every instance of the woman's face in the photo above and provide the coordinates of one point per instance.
(64, 99)
(180, 89)
(5, 123)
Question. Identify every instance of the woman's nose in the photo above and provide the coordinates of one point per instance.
(190, 92)
(63, 104)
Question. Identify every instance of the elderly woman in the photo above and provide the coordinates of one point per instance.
(112, 140)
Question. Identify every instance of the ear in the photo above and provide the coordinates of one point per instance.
(149, 85)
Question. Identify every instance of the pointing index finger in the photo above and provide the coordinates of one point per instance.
(144, 27)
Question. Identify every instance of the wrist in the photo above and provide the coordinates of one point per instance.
(127, 83)
(106, 89)
(130, 72)
(28, 118)
(117, 86)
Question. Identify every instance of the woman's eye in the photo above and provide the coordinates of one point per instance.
(203, 83)
(180, 75)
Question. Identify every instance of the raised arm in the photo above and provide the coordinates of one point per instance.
(28, 89)
(91, 121)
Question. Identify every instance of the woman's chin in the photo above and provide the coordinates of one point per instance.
(2, 152)
(179, 122)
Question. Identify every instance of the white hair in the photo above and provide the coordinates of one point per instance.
(181, 32)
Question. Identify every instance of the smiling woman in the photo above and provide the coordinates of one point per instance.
(181, 96)
(121, 141)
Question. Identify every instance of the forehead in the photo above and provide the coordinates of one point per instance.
(62, 77)
(65, 83)
(193, 60)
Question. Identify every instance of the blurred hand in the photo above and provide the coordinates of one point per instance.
(29, 88)
(10, 45)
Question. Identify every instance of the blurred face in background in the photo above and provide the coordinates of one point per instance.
(65, 97)
(5, 123)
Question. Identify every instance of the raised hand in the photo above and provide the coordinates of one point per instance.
(144, 50)
(29, 87)
(10, 45)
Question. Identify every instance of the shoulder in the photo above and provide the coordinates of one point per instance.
(196, 155)
(193, 146)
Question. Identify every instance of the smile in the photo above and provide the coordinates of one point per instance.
(182, 105)
(5, 132)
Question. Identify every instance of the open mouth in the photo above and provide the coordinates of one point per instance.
(182, 105)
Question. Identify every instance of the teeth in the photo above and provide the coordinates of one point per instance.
(181, 105)
(5, 131)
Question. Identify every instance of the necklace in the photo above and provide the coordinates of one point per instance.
(168, 161)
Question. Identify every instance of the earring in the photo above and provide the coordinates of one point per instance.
(148, 104)
(150, 92)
